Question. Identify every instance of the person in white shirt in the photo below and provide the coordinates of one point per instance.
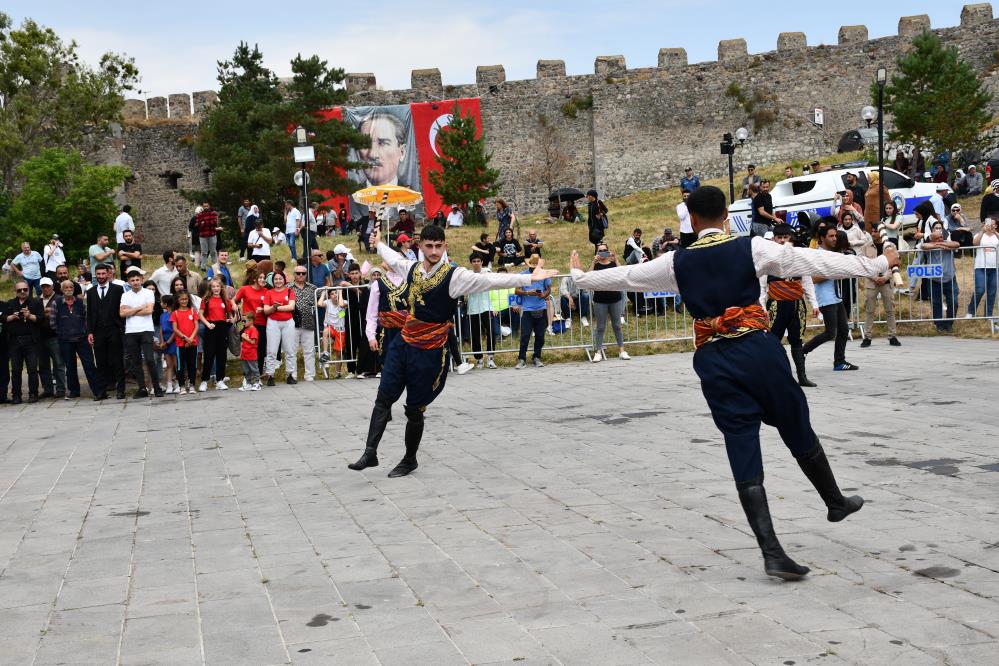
(939, 205)
(455, 217)
(687, 235)
(987, 242)
(292, 226)
(122, 223)
(259, 242)
(137, 310)
(165, 274)
(54, 256)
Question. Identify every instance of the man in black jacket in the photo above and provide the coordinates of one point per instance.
(22, 317)
(106, 333)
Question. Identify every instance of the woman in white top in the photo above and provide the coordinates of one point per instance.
(985, 268)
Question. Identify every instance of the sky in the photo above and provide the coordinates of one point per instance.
(177, 44)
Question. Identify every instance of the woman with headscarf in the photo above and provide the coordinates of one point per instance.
(990, 204)
(249, 224)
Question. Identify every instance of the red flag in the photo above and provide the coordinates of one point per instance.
(430, 120)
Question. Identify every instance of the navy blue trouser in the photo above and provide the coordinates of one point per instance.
(747, 381)
(419, 372)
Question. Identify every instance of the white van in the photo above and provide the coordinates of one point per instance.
(814, 194)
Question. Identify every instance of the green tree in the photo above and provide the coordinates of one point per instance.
(936, 99)
(49, 98)
(246, 140)
(62, 193)
(465, 174)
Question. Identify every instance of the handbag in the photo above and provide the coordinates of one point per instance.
(235, 339)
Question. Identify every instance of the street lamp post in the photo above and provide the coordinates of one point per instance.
(304, 153)
(728, 147)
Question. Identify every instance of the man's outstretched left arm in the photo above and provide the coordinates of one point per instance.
(773, 259)
(465, 281)
(655, 275)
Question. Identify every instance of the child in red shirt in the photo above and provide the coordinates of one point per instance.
(248, 354)
(185, 327)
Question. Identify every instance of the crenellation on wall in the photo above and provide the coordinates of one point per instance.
(551, 69)
(852, 34)
(427, 80)
(976, 15)
(359, 81)
(203, 99)
(134, 109)
(487, 76)
(732, 50)
(157, 107)
(672, 58)
(791, 42)
(180, 105)
(910, 26)
(610, 65)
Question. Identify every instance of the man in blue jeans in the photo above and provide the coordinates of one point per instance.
(292, 225)
(940, 251)
(534, 317)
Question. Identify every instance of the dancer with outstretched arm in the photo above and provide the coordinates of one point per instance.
(745, 376)
(417, 359)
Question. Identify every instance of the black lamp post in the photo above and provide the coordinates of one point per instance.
(728, 147)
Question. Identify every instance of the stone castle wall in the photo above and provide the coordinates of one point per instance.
(632, 129)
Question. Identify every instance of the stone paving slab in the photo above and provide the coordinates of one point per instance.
(575, 514)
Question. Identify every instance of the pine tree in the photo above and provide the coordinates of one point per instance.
(936, 99)
(465, 174)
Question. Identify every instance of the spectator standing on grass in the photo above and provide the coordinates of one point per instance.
(258, 243)
(535, 315)
(504, 216)
(607, 305)
(165, 274)
(208, 227)
(857, 190)
(62, 274)
(137, 310)
(872, 210)
(763, 210)
(939, 249)
(985, 269)
(22, 326)
(751, 178)
(292, 227)
(28, 267)
(305, 319)
(69, 321)
(54, 257)
(990, 204)
(689, 182)
(843, 203)
(191, 280)
(129, 252)
(890, 227)
(245, 226)
(217, 313)
(100, 253)
(596, 217)
(830, 299)
(687, 235)
(51, 369)
(123, 223)
(220, 270)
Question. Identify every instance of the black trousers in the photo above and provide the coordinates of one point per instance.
(535, 321)
(480, 324)
(837, 327)
(139, 347)
(4, 368)
(109, 353)
(787, 318)
(216, 347)
(23, 351)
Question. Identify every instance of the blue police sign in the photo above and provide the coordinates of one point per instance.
(925, 271)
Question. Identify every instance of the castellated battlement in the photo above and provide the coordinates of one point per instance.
(182, 107)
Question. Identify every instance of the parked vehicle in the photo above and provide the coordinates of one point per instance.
(815, 194)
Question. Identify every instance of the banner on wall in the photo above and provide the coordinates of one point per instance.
(405, 147)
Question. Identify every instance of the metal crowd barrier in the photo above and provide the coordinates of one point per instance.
(336, 350)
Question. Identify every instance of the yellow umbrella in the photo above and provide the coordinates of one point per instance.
(387, 195)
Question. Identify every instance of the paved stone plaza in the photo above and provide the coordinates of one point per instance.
(576, 514)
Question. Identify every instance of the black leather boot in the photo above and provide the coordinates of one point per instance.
(380, 416)
(414, 433)
(798, 355)
(816, 467)
(775, 561)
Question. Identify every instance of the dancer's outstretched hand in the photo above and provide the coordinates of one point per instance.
(542, 273)
(574, 261)
(891, 254)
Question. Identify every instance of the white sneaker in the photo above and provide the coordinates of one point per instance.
(567, 323)
(479, 364)
(584, 321)
(624, 356)
(182, 391)
(549, 331)
(969, 316)
(464, 367)
(310, 379)
(598, 356)
(538, 363)
(491, 364)
(203, 387)
(349, 375)
(244, 387)
(245, 384)
(622, 319)
(521, 363)
(221, 386)
(255, 387)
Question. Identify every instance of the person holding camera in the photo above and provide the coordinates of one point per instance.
(987, 242)
(22, 324)
(535, 314)
(607, 304)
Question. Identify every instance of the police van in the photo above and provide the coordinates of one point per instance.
(815, 194)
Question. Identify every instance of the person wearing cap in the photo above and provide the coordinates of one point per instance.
(129, 252)
(990, 204)
(405, 247)
(455, 218)
(689, 182)
(51, 369)
(665, 243)
(405, 225)
(970, 184)
(788, 301)
(137, 310)
(54, 256)
(957, 226)
(337, 260)
(938, 203)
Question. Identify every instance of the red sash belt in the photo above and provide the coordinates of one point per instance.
(785, 290)
(392, 318)
(733, 322)
(426, 335)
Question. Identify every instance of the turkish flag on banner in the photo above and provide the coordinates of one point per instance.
(430, 120)
(336, 113)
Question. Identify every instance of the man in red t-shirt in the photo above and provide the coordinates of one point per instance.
(207, 222)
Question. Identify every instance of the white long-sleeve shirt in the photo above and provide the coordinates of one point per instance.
(371, 314)
(769, 258)
(463, 281)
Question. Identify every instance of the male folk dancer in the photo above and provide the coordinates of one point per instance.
(388, 308)
(744, 373)
(786, 308)
(417, 360)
